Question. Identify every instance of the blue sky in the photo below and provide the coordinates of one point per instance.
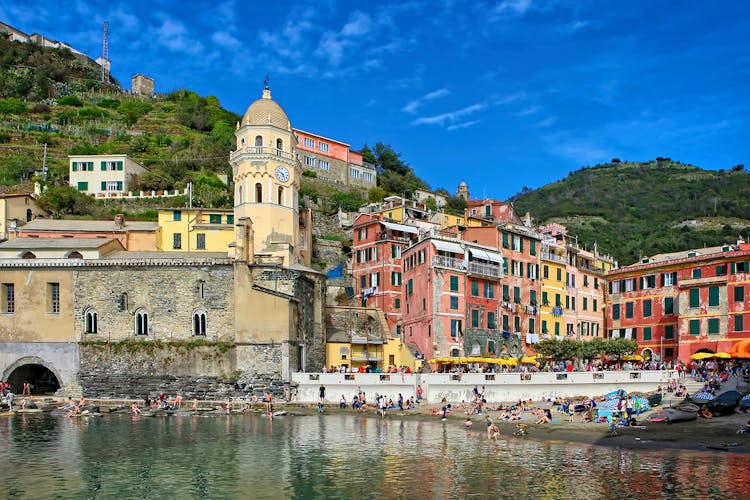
(503, 94)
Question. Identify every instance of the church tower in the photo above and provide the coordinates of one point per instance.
(463, 191)
(266, 176)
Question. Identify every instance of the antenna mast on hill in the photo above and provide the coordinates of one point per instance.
(104, 63)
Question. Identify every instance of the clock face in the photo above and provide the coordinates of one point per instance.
(282, 174)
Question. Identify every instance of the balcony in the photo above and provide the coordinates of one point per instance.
(485, 270)
(260, 151)
(553, 257)
(388, 236)
(449, 262)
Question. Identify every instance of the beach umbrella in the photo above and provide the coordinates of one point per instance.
(701, 355)
(701, 397)
(723, 355)
(632, 357)
(528, 359)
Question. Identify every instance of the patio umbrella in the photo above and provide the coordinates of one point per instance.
(632, 357)
(528, 359)
(701, 355)
(722, 355)
(701, 397)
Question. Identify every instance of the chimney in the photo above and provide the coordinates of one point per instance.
(244, 240)
(119, 221)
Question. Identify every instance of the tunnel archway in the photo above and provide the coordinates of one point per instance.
(42, 379)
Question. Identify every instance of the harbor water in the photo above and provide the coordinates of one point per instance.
(335, 456)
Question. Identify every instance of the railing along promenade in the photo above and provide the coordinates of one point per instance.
(497, 387)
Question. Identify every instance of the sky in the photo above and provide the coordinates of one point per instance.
(503, 94)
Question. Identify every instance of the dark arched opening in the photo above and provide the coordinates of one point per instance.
(41, 378)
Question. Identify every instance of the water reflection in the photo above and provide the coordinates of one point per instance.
(336, 456)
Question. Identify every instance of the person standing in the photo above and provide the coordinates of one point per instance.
(419, 394)
(400, 402)
(629, 407)
(322, 393)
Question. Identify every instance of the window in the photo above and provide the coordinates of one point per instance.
(230, 219)
(517, 243)
(738, 323)
(695, 297)
(506, 293)
(573, 303)
(176, 240)
(544, 326)
(669, 332)
(374, 279)
(397, 304)
(628, 309)
(517, 294)
(199, 323)
(647, 308)
(475, 318)
(176, 215)
(491, 320)
(53, 296)
(474, 288)
(409, 287)
(454, 303)
(558, 300)
(615, 311)
(309, 143)
(455, 328)
(83, 186)
(559, 274)
(532, 297)
(713, 296)
(713, 326)
(695, 327)
(454, 283)
(214, 219)
(506, 322)
(280, 196)
(585, 304)
(367, 176)
(200, 242)
(739, 294)
(697, 272)
(122, 302)
(545, 299)
(489, 290)
(647, 333)
(141, 322)
(395, 278)
(309, 161)
(111, 186)
(721, 270)
(505, 240)
(532, 325)
(90, 322)
(545, 271)
(323, 146)
(595, 306)
(668, 305)
(353, 173)
(9, 298)
(396, 251)
(669, 279)
(532, 247)
(517, 324)
(323, 165)
(258, 141)
(557, 328)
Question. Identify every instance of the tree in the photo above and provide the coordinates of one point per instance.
(17, 168)
(457, 204)
(132, 110)
(430, 203)
(156, 179)
(367, 155)
(376, 194)
(60, 200)
(12, 106)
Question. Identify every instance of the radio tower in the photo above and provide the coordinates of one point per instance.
(104, 60)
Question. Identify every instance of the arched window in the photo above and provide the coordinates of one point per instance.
(29, 215)
(141, 322)
(455, 352)
(75, 255)
(90, 321)
(239, 194)
(259, 144)
(259, 192)
(279, 147)
(122, 302)
(28, 255)
(199, 323)
(200, 287)
(242, 142)
(281, 195)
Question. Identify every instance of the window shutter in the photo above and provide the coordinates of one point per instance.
(359, 256)
(521, 241)
(103, 165)
(505, 265)
(75, 166)
(393, 251)
(505, 240)
(104, 185)
(119, 165)
(119, 185)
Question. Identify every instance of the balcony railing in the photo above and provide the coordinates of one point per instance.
(261, 151)
(553, 257)
(449, 262)
(485, 270)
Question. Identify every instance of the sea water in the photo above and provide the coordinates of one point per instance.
(335, 456)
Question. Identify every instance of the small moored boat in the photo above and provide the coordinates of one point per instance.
(681, 413)
(724, 404)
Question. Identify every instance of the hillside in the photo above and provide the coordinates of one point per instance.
(631, 209)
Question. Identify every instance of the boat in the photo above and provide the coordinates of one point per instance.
(279, 413)
(654, 399)
(29, 410)
(701, 398)
(724, 404)
(681, 413)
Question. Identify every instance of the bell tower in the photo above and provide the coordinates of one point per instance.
(266, 176)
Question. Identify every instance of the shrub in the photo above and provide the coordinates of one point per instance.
(309, 173)
(70, 100)
(12, 106)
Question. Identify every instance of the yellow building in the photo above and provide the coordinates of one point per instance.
(398, 209)
(266, 174)
(359, 337)
(195, 229)
(15, 211)
(553, 288)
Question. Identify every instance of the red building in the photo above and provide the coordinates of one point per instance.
(377, 266)
(680, 303)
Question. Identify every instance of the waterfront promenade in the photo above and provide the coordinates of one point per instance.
(496, 387)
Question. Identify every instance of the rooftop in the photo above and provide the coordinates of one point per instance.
(84, 226)
(55, 243)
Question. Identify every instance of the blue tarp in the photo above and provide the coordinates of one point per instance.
(336, 272)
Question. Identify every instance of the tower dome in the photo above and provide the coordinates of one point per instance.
(266, 111)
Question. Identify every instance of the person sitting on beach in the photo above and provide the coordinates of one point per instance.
(194, 406)
(705, 412)
(545, 417)
(134, 409)
(468, 422)
(74, 410)
(495, 432)
(745, 429)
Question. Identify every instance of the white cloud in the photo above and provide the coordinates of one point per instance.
(531, 110)
(547, 122)
(413, 106)
(357, 25)
(331, 48)
(513, 7)
(451, 117)
(173, 35)
(225, 40)
(463, 125)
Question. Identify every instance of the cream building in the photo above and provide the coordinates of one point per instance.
(105, 175)
(15, 211)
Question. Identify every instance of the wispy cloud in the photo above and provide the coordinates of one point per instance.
(173, 35)
(531, 110)
(547, 122)
(463, 125)
(225, 40)
(413, 106)
(512, 7)
(450, 117)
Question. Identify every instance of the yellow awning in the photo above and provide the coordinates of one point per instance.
(632, 357)
(528, 359)
(701, 355)
(723, 355)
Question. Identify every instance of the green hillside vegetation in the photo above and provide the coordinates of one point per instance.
(632, 209)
